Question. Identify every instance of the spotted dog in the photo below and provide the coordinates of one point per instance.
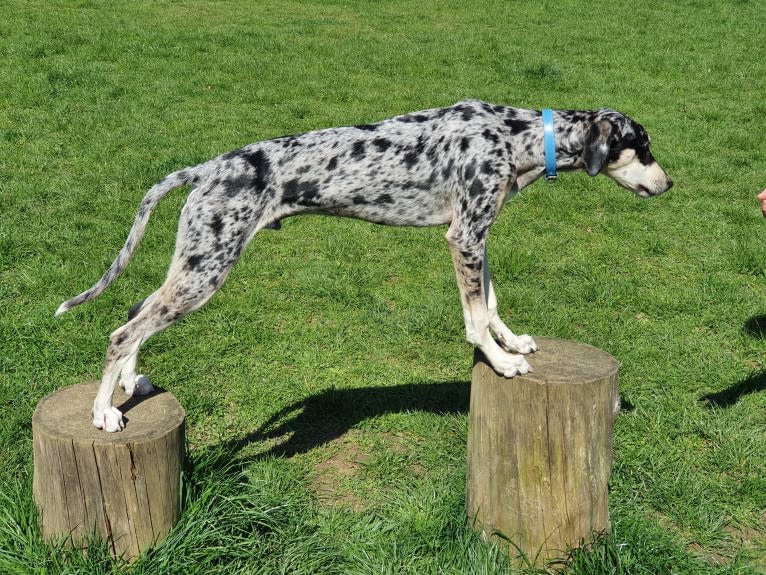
(452, 166)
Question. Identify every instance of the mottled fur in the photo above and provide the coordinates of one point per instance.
(451, 166)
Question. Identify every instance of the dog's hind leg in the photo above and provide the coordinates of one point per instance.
(504, 336)
(467, 248)
(203, 257)
(181, 293)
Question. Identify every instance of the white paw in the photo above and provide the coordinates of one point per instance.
(136, 385)
(507, 364)
(516, 365)
(525, 344)
(515, 343)
(110, 420)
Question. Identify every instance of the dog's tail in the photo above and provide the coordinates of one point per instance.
(150, 201)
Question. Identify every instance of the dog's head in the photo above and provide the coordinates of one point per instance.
(619, 147)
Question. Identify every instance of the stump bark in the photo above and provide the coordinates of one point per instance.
(123, 487)
(540, 450)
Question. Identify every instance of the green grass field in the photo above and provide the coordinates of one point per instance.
(326, 385)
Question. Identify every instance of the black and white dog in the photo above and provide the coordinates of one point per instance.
(451, 166)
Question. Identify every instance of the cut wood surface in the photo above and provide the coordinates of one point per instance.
(540, 450)
(123, 487)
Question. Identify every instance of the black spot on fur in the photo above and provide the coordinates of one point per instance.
(473, 265)
(359, 200)
(490, 136)
(193, 262)
(517, 126)
(367, 127)
(382, 144)
(134, 309)
(260, 162)
(290, 142)
(476, 189)
(217, 225)
(432, 155)
(470, 170)
(487, 168)
(233, 186)
(411, 158)
(357, 150)
(384, 199)
(420, 146)
(447, 171)
(301, 192)
(333, 163)
(465, 143)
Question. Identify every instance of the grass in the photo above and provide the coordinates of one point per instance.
(326, 385)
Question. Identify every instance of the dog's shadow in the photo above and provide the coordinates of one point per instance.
(321, 418)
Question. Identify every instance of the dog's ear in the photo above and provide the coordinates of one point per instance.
(596, 151)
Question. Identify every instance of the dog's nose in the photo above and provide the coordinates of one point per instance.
(668, 184)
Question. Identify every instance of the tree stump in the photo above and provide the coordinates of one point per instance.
(540, 450)
(123, 487)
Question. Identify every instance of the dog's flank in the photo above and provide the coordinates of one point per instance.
(451, 166)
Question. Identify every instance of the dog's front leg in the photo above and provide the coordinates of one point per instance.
(504, 336)
(468, 258)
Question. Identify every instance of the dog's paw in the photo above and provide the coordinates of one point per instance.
(507, 364)
(136, 385)
(525, 344)
(142, 386)
(110, 420)
(516, 366)
(516, 343)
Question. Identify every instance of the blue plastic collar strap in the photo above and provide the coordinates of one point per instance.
(549, 144)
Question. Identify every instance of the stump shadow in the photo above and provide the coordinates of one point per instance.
(329, 414)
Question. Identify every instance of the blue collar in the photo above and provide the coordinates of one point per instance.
(549, 144)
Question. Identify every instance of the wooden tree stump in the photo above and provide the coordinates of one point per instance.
(540, 450)
(123, 487)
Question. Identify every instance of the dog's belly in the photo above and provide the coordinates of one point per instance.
(381, 201)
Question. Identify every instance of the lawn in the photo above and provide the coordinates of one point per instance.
(326, 385)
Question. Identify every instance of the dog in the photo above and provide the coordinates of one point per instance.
(453, 166)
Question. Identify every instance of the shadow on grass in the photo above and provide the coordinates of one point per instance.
(756, 326)
(320, 418)
(732, 395)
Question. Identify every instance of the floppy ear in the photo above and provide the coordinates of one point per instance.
(596, 150)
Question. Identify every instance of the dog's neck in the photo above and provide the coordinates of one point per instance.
(570, 129)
